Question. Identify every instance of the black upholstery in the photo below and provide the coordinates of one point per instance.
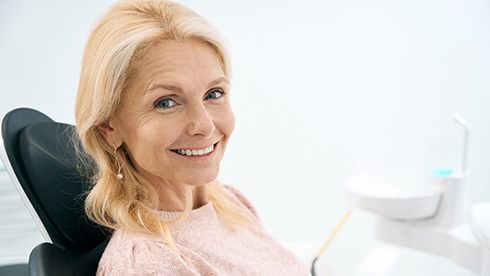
(42, 155)
(48, 259)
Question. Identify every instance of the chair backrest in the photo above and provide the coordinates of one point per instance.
(42, 154)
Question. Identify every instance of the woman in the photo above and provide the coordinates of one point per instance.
(153, 111)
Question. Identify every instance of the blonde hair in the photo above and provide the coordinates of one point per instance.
(114, 47)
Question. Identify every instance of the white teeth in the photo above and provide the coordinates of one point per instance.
(196, 152)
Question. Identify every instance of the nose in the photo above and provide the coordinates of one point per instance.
(200, 122)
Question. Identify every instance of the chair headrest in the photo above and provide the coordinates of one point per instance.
(51, 162)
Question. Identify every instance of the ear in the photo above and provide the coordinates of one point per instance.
(110, 132)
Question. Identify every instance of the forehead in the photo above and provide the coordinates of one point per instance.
(176, 60)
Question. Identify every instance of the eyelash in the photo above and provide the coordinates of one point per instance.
(219, 90)
(216, 90)
(164, 99)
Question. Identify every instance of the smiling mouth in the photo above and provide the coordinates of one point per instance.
(195, 152)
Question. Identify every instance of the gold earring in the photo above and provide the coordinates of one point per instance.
(119, 174)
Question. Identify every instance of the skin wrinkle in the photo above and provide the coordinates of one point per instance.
(152, 87)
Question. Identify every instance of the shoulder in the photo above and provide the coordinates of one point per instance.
(241, 198)
(130, 253)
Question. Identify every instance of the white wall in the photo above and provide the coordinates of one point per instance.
(319, 88)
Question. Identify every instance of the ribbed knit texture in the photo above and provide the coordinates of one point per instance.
(207, 246)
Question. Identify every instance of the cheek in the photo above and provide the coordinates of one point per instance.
(158, 136)
(147, 143)
(231, 122)
(227, 122)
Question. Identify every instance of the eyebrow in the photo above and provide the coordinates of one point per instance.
(179, 89)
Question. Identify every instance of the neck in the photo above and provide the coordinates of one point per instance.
(175, 197)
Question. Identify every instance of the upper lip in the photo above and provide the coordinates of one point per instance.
(196, 147)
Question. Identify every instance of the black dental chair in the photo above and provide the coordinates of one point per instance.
(42, 156)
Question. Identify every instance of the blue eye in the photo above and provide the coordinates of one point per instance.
(165, 103)
(215, 94)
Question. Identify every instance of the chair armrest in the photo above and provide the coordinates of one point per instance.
(48, 259)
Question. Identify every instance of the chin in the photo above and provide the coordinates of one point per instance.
(199, 180)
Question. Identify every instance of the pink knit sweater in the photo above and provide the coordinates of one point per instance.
(207, 246)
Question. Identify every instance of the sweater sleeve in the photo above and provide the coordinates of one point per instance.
(141, 257)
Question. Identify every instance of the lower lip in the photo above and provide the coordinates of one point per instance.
(199, 157)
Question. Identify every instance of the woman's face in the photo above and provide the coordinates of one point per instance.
(175, 119)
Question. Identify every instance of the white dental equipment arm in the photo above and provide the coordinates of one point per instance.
(430, 215)
(463, 123)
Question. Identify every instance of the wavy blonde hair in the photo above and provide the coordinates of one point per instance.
(116, 44)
